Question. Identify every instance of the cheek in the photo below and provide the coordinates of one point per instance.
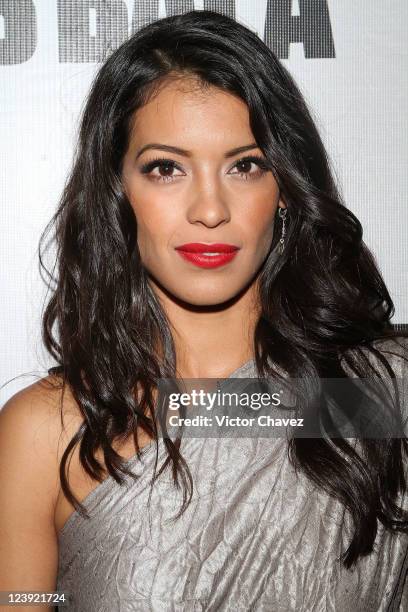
(156, 223)
(259, 226)
(265, 239)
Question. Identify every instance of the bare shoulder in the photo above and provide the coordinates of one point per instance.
(38, 421)
(36, 424)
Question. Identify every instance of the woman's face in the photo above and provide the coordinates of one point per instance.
(203, 192)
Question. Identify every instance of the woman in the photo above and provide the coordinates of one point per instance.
(193, 132)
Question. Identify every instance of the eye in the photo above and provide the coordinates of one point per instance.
(245, 164)
(165, 167)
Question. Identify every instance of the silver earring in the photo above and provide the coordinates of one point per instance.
(282, 212)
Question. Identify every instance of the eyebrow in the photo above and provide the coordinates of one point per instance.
(179, 151)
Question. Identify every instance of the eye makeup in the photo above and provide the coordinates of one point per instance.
(160, 162)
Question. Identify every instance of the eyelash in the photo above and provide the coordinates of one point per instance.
(160, 162)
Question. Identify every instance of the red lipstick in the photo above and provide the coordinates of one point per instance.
(197, 253)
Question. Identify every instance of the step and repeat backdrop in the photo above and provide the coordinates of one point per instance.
(349, 58)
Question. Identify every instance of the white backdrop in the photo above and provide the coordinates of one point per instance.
(349, 58)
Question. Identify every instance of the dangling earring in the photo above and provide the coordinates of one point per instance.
(282, 212)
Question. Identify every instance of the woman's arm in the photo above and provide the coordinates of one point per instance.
(29, 485)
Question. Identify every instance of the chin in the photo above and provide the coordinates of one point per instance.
(205, 300)
(195, 293)
(208, 297)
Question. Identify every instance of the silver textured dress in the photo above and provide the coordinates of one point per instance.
(255, 537)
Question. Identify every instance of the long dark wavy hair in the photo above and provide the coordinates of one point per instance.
(323, 301)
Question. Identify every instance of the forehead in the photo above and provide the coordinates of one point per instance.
(183, 110)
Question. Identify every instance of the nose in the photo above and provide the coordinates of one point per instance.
(208, 203)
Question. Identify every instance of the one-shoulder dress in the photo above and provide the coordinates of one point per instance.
(256, 536)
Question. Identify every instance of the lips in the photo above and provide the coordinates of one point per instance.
(200, 247)
(207, 255)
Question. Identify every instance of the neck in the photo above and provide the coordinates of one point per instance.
(212, 341)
